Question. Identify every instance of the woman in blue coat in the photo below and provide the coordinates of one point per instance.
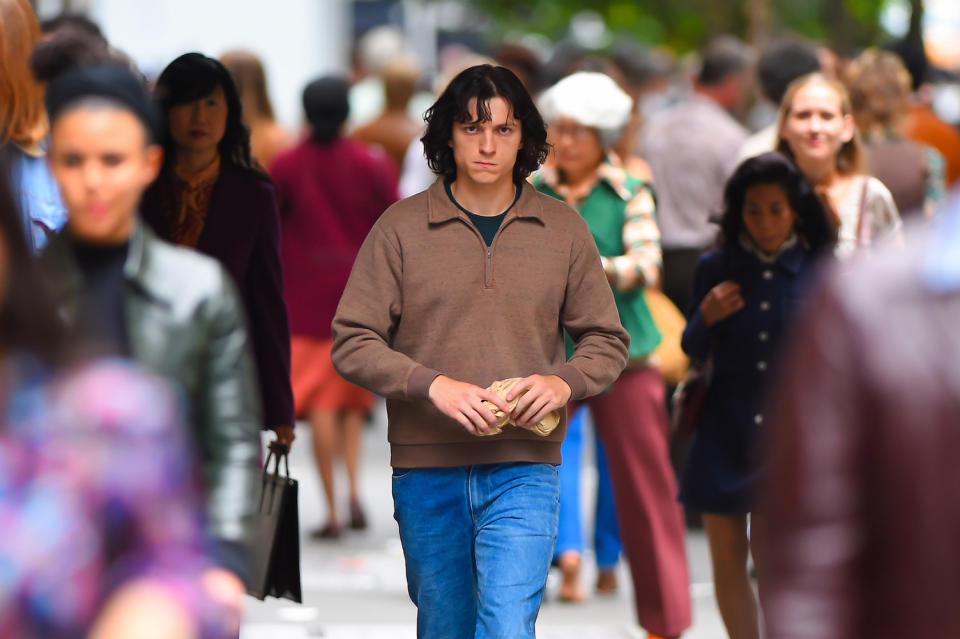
(746, 291)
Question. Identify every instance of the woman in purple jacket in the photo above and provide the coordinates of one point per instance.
(212, 197)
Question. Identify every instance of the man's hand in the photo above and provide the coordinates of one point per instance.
(722, 301)
(464, 403)
(541, 394)
(285, 437)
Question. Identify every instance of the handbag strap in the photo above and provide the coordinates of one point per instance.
(267, 475)
(276, 457)
(862, 240)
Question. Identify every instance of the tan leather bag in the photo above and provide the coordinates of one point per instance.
(670, 321)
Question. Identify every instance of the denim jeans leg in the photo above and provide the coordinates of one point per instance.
(570, 529)
(606, 531)
(515, 507)
(436, 530)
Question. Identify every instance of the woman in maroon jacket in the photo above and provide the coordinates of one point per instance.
(331, 190)
(212, 197)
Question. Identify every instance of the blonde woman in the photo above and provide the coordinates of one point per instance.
(817, 130)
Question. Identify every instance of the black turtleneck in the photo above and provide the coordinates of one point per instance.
(101, 321)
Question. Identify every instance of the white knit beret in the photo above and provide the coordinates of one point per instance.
(592, 99)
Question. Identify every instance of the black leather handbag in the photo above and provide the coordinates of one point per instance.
(275, 546)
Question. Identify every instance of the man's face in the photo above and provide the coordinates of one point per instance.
(102, 162)
(486, 152)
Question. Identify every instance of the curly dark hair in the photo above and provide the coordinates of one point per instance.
(483, 82)
(815, 225)
(191, 77)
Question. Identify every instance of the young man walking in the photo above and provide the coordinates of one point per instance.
(473, 281)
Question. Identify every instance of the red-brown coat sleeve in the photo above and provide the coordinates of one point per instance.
(810, 584)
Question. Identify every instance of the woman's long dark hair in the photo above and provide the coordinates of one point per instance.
(191, 77)
(814, 223)
(29, 322)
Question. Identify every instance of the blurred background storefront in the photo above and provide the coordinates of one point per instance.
(299, 39)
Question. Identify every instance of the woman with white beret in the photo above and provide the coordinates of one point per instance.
(586, 113)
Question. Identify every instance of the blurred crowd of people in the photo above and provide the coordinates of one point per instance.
(172, 262)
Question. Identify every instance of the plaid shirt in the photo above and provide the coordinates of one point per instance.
(96, 488)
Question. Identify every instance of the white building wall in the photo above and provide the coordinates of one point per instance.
(296, 39)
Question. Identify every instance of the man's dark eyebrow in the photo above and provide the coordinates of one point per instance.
(511, 122)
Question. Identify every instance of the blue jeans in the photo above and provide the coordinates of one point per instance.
(477, 542)
(606, 535)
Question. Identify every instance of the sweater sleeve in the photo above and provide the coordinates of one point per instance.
(366, 320)
(230, 416)
(590, 317)
(815, 490)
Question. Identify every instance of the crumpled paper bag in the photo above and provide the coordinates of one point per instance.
(543, 428)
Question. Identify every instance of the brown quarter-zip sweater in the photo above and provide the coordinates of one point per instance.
(428, 297)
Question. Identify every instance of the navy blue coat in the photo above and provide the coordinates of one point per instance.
(721, 472)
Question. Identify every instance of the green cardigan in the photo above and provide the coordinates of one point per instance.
(603, 209)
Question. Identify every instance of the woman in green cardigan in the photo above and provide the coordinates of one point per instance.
(586, 113)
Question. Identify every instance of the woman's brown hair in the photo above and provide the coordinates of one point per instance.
(851, 157)
(879, 91)
(22, 115)
(251, 81)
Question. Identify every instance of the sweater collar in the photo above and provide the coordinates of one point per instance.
(441, 209)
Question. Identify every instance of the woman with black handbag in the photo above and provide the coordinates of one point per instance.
(746, 291)
(212, 197)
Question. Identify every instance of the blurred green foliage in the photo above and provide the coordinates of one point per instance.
(687, 24)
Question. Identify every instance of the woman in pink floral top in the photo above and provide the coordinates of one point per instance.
(96, 492)
(100, 531)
